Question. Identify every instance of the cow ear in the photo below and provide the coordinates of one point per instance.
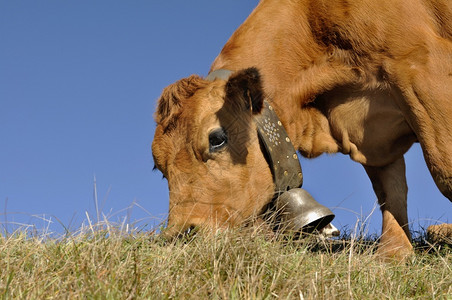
(170, 102)
(244, 88)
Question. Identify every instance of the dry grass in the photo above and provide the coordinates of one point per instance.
(245, 264)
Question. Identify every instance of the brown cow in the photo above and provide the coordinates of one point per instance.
(365, 78)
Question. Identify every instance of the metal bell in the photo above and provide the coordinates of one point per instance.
(298, 211)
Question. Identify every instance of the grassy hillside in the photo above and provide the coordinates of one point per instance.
(245, 264)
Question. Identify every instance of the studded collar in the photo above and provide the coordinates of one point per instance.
(279, 151)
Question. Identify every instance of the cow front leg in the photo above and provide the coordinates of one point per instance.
(424, 77)
(390, 186)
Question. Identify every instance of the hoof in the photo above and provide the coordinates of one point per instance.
(393, 251)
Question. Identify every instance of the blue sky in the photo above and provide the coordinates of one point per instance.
(79, 82)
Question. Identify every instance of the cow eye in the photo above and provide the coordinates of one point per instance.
(217, 140)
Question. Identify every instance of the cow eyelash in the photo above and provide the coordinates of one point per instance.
(218, 139)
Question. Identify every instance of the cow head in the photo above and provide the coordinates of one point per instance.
(207, 147)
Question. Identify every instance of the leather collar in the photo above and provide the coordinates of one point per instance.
(279, 151)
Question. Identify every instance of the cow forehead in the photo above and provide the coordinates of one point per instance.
(197, 117)
(200, 112)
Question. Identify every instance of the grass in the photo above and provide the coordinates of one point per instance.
(106, 263)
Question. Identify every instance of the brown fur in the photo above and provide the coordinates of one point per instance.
(365, 78)
(441, 234)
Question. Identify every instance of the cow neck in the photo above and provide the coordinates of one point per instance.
(275, 142)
